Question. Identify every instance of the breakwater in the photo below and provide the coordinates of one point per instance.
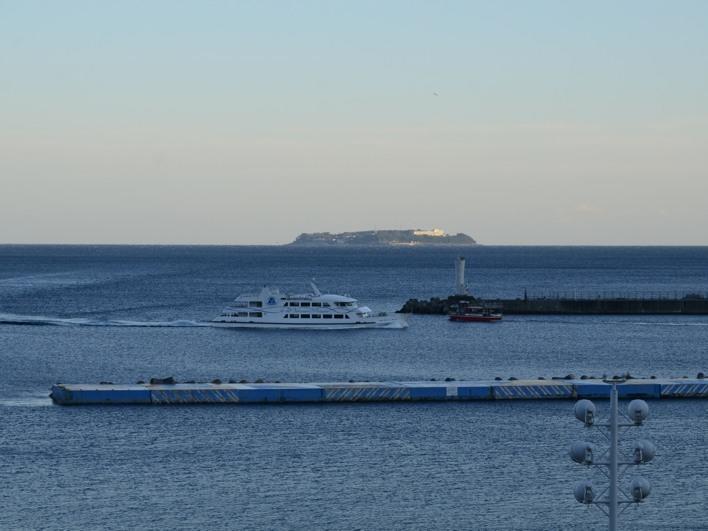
(567, 306)
(449, 390)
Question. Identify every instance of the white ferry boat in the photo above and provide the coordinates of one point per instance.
(314, 311)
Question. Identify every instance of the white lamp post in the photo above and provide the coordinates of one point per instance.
(609, 462)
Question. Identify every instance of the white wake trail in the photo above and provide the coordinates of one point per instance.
(41, 320)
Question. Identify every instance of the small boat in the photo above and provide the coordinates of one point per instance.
(475, 314)
(311, 311)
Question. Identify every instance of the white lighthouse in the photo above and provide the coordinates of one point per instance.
(460, 288)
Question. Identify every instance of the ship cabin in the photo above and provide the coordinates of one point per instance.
(271, 303)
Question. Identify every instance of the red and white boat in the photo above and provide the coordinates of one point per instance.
(475, 314)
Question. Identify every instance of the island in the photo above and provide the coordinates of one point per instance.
(384, 237)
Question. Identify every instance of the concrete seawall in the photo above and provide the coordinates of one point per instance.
(279, 393)
(604, 306)
(551, 306)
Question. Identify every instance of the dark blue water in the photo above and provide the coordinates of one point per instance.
(129, 313)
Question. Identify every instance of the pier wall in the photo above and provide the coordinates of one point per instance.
(553, 306)
(604, 306)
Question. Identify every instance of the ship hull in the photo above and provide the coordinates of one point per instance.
(397, 324)
(475, 318)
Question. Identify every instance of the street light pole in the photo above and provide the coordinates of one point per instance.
(584, 453)
(613, 458)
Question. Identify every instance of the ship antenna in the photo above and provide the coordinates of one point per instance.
(315, 290)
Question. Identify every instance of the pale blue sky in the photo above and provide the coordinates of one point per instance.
(249, 122)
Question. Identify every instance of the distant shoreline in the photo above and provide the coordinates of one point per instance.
(290, 245)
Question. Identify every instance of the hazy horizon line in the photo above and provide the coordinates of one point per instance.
(344, 246)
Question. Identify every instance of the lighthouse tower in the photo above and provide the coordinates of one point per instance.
(460, 288)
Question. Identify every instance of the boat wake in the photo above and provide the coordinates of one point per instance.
(39, 320)
(25, 400)
(581, 320)
(672, 323)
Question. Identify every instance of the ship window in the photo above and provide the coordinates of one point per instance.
(316, 316)
(240, 304)
(242, 314)
(316, 304)
(339, 316)
(305, 304)
(294, 315)
(294, 304)
(304, 316)
(346, 316)
(326, 316)
(286, 304)
(255, 314)
(255, 304)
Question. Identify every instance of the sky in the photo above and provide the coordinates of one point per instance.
(249, 122)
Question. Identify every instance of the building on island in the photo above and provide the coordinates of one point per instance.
(431, 232)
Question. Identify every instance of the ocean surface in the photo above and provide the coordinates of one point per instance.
(128, 313)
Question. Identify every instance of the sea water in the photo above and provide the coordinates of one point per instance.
(123, 313)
